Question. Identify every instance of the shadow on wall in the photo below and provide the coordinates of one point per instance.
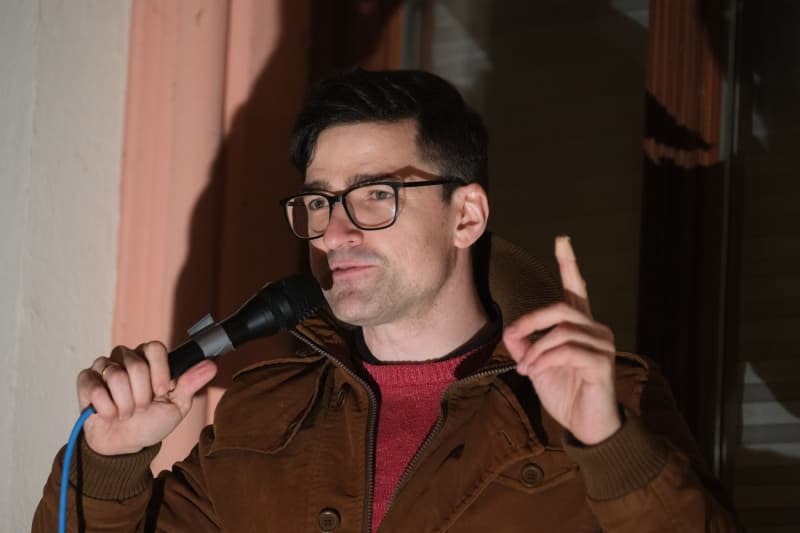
(560, 85)
(237, 224)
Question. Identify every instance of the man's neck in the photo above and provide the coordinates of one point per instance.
(450, 323)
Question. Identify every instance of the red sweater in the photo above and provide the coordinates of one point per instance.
(410, 395)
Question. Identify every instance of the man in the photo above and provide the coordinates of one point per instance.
(409, 413)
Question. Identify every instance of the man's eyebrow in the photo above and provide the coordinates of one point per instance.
(316, 185)
(358, 179)
(366, 178)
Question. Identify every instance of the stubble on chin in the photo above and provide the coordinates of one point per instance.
(357, 305)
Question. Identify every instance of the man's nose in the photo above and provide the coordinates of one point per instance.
(340, 231)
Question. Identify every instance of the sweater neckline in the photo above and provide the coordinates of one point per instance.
(489, 334)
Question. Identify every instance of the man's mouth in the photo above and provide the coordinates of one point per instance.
(348, 270)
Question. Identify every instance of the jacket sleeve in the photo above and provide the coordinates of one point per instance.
(649, 476)
(120, 494)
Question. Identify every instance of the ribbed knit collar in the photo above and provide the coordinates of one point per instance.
(416, 374)
(474, 352)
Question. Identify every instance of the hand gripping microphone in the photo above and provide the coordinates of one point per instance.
(277, 307)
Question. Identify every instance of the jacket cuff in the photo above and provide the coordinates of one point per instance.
(111, 477)
(626, 461)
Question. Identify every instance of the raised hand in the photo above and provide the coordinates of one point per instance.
(136, 404)
(572, 365)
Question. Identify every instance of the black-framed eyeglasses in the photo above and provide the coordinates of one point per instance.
(369, 206)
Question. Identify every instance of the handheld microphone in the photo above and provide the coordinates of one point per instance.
(277, 307)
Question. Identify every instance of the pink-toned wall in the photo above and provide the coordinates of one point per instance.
(212, 90)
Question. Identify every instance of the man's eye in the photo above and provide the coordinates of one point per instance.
(316, 204)
(382, 194)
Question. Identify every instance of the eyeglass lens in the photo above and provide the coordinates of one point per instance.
(369, 206)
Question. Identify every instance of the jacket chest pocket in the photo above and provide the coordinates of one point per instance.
(258, 492)
(289, 466)
(265, 408)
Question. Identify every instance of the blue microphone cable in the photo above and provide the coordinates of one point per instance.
(73, 439)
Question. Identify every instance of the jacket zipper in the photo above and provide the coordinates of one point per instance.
(440, 420)
(371, 423)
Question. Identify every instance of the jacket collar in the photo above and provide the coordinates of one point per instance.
(323, 334)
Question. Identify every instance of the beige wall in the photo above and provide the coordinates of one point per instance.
(212, 92)
(62, 85)
(114, 117)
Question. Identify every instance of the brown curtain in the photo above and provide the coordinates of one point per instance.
(684, 82)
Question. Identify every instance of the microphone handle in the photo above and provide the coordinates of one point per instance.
(276, 307)
(184, 357)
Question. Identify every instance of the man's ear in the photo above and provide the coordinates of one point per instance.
(472, 214)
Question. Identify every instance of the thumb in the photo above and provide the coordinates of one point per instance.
(191, 382)
(516, 341)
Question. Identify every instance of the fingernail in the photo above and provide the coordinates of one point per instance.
(564, 247)
(204, 363)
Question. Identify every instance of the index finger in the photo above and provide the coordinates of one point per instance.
(517, 335)
(156, 355)
(574, 285)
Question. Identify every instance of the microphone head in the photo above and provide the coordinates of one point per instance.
(293, 299)
(277, 307)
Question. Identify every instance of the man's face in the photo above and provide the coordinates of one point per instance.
(377, 277)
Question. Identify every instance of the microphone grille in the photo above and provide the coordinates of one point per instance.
(301, 297)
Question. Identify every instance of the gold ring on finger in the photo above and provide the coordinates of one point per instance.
(106, 368)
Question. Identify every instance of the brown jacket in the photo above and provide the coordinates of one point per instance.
(292, 442)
